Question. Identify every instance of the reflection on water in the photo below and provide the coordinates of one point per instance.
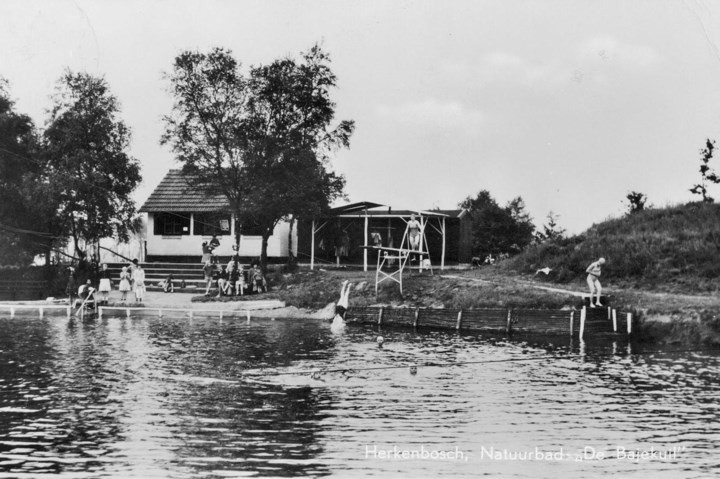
(147, 398)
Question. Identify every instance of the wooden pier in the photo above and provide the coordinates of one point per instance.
(573, 322)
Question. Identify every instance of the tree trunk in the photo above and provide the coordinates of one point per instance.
(263, 252)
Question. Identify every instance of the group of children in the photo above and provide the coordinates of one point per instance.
(232, 279)
(132, 277)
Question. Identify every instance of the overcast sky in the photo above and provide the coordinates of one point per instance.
(569, 104)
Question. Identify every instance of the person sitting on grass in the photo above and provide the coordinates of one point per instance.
(341, 307)
(235, 278)
(222, 281)
(257, 279)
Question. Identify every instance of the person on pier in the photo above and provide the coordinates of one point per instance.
(593, 280)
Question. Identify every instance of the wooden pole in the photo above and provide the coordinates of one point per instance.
(509, 319)
(572, 320)
(380, 315)
(583, 313)
(312, 246)
(417, 313)
(442, 257)
(614, 320)
(459, 320)
(629, 323)
(365, 250)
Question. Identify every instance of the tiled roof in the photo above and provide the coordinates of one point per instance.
(175, 194)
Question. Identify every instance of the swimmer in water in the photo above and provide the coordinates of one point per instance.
(341, 307)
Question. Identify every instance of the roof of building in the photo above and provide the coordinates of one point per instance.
(176, 194)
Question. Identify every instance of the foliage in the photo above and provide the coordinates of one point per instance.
(551, 230)
(656, 248)
(636, 202)
(90, 174)
(706, 173)
(22, 195)
(495, 229)
(263, 140)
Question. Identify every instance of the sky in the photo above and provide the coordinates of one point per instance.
(569, 104)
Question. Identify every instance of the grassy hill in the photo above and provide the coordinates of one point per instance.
(674, 249)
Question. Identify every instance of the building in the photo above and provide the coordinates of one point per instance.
(181, 217)
(339, 236)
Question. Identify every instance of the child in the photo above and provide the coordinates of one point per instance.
(105, 285)
(208, 273)
(222, 281)
(258, 280)
(169, 287)
(138, 278)
(124, 284)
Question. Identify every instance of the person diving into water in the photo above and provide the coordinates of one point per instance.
(341, 307)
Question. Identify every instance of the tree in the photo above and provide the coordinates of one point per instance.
(496, 229)
(551, 230)
(636, 202)
(263, 140)
(706, 173)
(21, 195)
(87, 162)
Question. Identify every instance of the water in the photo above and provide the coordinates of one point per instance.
(169, 398)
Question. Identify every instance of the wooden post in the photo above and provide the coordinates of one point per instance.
(609, 312)
(221, 315)
(247, 313)
(160, 315)
(509, 320)
(417, 314)
(365, 250)
(12, 312)
(572, 320)
(41, 312)
(442, 257)
(127, 312)
(459, 320)
(629, 323)
(380, 315)
(312, 246)
(100, 312)
(614, 320)
(583, 313)
(68, 311)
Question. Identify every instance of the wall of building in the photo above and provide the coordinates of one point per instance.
(191, 244)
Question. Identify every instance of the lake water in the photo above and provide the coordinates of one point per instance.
(203, 398)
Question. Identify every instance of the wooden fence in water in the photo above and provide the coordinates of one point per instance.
(541, 321)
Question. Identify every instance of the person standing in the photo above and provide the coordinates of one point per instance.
(71, 288)
(593, 280)
(138, 277)
(413, 228)
(208, 273)
(124, 284)
(105, 284)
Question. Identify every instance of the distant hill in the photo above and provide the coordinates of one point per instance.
(669, 249)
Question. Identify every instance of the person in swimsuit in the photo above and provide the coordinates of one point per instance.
(341, 307)
(413, 228)
(593, 280)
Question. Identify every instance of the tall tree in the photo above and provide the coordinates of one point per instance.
(86, 156)
(263, 140)
(23, 231)
(552, 231)
(498, 229)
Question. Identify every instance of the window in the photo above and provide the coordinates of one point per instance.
(207, 224)
(172, 224)
(251, 228)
